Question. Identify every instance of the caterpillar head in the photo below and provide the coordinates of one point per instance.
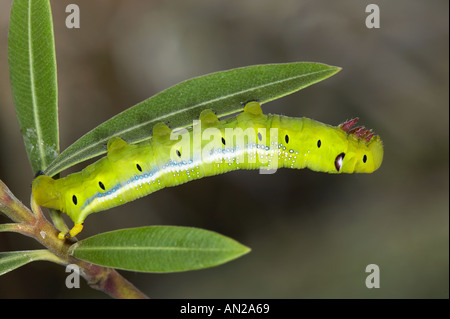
(45, 192)
(365, 147)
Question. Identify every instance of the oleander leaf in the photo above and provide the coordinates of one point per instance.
(32, 65)
(224, 92)
(15, 259)
(158, 249)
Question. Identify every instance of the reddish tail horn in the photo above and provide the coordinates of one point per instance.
(348, 124)
(369, 137)
(359, 132)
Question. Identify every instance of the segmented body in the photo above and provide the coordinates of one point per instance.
(251, 140)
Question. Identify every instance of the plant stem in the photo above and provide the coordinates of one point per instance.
(16, 228)
(38, 227)
(13, 208)
(109, 281)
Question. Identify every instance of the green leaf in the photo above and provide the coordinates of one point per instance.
(158, 249)
(32, 66)
(224, 92)
(15, 259)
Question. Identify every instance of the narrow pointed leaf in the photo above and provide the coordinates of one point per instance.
(15, 259)
(224, 92)
(32, 65)
(158, 249)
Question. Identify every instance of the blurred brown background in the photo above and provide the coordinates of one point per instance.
(311, 234)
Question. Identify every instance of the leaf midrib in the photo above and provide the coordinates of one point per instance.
(114, 248)
(33, 92)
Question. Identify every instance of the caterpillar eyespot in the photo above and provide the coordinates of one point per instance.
(298, 147)
(339, 161)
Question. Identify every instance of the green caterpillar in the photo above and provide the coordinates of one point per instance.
(251, 140)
